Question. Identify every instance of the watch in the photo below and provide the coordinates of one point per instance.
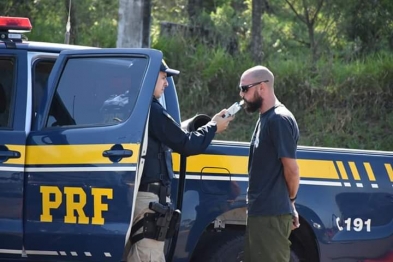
(293, 199)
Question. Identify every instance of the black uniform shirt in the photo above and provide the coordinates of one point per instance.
(165, 129)
(164, 133)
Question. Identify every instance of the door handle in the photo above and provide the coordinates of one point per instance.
(10, 154)
(117, 153)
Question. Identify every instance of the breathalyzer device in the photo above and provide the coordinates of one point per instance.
(233, 109)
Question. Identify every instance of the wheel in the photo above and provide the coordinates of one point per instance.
(230, 251)
(233, 251)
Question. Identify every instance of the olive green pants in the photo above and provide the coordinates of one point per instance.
(267, 238)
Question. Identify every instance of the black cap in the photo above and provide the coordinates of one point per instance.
(168, 71)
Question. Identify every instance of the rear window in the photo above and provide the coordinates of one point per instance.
(96, 91)
(7, 90)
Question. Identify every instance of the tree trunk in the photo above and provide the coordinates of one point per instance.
(194, 10)
(130, 25)
(146, 23)
(313, 45)
(256, 31)
(310, 20)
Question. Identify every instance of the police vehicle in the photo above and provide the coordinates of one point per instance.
(73, 124)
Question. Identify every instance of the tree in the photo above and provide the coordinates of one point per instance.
(194, 10)
(258, 9)
(367, 24)
(20, 8)
(308, 13)
(146, 23)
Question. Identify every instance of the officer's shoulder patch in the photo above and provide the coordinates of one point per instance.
(169, 116)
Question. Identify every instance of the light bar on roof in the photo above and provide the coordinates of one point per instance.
(15, 23)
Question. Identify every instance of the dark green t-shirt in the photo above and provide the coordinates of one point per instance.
(276, 135)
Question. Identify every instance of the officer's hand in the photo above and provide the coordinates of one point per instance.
(222, 123)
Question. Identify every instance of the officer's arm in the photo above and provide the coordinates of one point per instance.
(168, 131)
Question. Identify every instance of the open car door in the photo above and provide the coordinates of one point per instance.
(85, 154)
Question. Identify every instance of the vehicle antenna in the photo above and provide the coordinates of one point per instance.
(68, 26)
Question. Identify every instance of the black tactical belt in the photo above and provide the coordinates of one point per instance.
(155, 188)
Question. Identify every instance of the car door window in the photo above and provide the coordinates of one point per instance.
(41, 71)
(7, 87)
(96, 91)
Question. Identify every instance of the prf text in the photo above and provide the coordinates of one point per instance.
(75, 201)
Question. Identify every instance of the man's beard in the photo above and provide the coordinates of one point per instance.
(253, 106)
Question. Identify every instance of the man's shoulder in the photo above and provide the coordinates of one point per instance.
(156, 109)
(156, 106)
(282, 113)
(159, 111)
(282, 110)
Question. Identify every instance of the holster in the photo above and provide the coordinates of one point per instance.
(174, 224)
(160, 225)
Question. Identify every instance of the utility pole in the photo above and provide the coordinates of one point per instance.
(68, 25)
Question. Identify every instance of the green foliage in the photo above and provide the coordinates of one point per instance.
(170, 11)
(367, 24)
(206, 73)
(344, 100)
(345, 104)
(95, 21)
(49, 21)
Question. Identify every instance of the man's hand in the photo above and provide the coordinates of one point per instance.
(222, 123)
(295, 217)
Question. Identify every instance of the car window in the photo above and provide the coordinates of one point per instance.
(41, 72)
(7, 90)
(96, 91)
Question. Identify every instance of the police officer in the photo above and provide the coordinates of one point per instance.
(165, 135)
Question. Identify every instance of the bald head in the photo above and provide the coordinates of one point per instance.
(258, 73)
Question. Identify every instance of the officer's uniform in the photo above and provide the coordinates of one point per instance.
(165, 134)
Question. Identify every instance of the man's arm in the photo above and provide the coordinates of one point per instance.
(164, 128)
(285, 141)
(291, 173)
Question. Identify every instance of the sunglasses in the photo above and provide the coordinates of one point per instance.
(245, 88)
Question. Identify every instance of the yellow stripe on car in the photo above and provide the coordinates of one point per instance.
(309, 168)
(342, 170)
(354, 170)
(75, 154)
(195, 164)
(369, 171)
(390, 171)
(324, 169)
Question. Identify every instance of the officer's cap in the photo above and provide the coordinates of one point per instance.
(167, 70)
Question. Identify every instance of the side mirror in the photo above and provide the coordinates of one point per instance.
(195, 122)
